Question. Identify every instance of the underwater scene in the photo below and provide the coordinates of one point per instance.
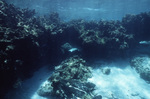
(74, 49)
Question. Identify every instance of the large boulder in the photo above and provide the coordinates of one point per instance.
(69, 80)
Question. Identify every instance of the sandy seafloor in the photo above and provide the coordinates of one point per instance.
(123, 82)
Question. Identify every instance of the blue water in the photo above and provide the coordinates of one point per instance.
(86, 9)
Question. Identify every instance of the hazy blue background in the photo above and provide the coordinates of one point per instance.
(87, 9)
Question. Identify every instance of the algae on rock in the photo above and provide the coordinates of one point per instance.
(69, 80)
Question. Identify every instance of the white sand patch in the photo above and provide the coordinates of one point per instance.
(36, 96)
(121, 83)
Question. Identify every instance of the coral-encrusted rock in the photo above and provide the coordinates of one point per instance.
(18, 45)
(109, 34)
(72, 68)
(138, 24)
(46, 89)
(142, 66)
(102, 38)
(69, 80)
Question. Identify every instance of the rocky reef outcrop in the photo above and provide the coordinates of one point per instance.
(25, 41)
(138, 25)
(69, 81)
(142, 65)
(106, 33)
(17, 42)
(99, 37)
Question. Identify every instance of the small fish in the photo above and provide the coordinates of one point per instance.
(73, 49)
(144, 42)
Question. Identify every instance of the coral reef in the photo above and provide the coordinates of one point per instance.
(142, 66)
(138, 25)
(109, 34)
(28, 41)
(17, 42)
(25, 41)
(69, 80)
(102, 38)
